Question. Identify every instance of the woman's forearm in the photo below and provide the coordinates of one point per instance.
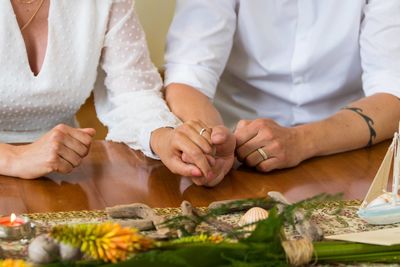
(189, 104)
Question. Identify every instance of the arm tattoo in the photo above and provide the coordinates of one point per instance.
(368, 120)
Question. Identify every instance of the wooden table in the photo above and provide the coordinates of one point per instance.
(113, 174)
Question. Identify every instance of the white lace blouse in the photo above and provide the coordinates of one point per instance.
(82, 35)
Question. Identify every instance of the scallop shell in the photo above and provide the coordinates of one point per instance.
(252, 216)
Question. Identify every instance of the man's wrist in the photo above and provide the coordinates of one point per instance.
(305, 135)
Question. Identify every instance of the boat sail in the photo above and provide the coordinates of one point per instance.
(379, 205)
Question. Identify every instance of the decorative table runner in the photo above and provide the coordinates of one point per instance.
(326, 216)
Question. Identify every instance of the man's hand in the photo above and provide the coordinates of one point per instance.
(282, 146)
(60, 150)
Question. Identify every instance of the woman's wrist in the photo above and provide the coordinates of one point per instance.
(156, 136)
(7, 159)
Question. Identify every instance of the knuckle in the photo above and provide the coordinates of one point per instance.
(241, 123)
(85, 153)
(195, 153)
(260, 122)
(55, 147)
(179, 135)
(185, 158)
(190, 122)
(277, 146)
(185, 127)
(57, 135)
(77, 162)
(60, 127)
(267, 134)
(87, 141)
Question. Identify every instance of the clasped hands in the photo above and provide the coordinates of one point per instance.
(207, 154)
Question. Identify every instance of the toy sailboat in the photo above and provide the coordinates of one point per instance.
(379, 205)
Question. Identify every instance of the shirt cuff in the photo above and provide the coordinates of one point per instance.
(195, 76)
(381, 83)
(139, 138)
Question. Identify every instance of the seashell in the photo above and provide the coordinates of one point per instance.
(69, 253)
(252, 216)
(43, 249)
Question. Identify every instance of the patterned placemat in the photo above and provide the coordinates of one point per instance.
(326, 216)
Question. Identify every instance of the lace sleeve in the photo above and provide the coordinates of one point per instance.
(132, 105)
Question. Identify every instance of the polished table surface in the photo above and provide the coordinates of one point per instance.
(114, 174)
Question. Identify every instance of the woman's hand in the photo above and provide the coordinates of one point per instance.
(60, 150)
(224, 143)
(170, 144)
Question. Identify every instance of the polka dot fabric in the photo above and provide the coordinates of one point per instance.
(84, 37)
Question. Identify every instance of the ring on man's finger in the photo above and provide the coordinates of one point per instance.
(263, 154)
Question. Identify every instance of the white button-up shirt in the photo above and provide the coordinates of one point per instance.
(294, 61)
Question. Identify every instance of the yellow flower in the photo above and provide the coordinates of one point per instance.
(14, 263)
(108, 241)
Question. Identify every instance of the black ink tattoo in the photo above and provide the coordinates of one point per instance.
(368, 120)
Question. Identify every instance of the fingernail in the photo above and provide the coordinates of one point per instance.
(196, 172)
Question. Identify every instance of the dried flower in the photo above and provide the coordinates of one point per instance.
(14, 263)
(108, 242)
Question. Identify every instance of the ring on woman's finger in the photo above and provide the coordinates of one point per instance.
(263, 154)
(202, 131)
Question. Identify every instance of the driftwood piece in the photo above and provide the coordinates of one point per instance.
(232, 205)
(219, 225)
(140, 224)
(187, 210)
(196, 217)
(303, 226)
(162, 229)
(131, 211)
(139, 211)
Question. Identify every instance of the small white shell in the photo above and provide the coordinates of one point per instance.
(43, 249)
(69, 253)
(252, 216)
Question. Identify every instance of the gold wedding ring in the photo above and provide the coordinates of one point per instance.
(202, 131)
(262, 153)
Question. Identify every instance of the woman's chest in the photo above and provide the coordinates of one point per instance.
(71, 51)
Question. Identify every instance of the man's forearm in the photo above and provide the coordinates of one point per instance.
(189, 104)
(360, 124)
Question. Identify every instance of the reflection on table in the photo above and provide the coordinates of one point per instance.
(114, 174)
